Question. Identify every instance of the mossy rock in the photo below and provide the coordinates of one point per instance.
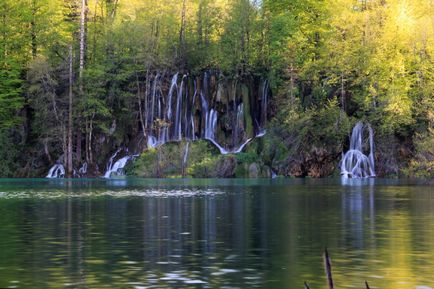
(168, 160)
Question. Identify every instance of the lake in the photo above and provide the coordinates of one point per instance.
(175, 233)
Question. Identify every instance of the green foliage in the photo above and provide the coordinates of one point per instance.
(324, 126)
(9, 155)
(145, 165)
(205, 168)
(307, 142)
(246, 158)
(422, 165)
(11, 99)
(327, 61)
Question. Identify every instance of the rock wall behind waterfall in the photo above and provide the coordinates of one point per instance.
(189, 107)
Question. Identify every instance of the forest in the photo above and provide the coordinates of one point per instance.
(81, 79)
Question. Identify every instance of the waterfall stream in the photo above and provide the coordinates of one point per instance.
(117, 168)
(178, 115)
(356, 164)
(56, 171)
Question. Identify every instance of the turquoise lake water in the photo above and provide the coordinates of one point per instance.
(175, 233)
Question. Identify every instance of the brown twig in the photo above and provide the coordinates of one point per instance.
(328, 269)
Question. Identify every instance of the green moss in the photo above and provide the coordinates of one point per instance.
(168, 161)
(205, 168)
(145, 165)
(247, 117)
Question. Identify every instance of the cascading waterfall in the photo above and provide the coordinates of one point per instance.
(178, 124)
(264, 102)
(239, 122)
(83, 169)
(190, 113)
(56, 171)
(117, 168)
(192, 123)
(184, 160)
(111, 159)
(356, 164)
(173, 88)
(177, 112)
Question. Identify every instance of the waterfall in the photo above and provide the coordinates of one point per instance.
(210, 124)
(118, 167)
(173, 88)
(178, 121)
(356, 164)
(152, 102)
(184, 160)
(193, 137)
(239, 122)
(204, 110)
(210, 127)
(82, 171)
(110, 162)
(152, 141)
(157, 78)
(56, 171)
(176, 111)
(261, 133)
(264, 103)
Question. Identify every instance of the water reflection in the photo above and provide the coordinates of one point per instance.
(258, 235)
(358, 211)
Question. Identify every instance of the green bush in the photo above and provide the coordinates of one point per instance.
(422, 165)
(9, 154)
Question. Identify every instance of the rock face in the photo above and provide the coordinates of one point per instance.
(177, 108)
(253, 171)
(207, 106)
(202, 161)
(226, 167)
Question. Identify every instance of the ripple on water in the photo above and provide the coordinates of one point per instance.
(150, 193)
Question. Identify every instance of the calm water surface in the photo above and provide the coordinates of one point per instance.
(214, 233)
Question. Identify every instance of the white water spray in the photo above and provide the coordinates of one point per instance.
(57, 171)
(356, 164)
(177, 111)
(117, 168)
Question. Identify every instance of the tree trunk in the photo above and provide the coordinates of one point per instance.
(5, 37)
(83, 18)
(33, 29)
(113, 12)
(139, 101)
(182, 35)
(200, 22)
(70, 119)
(90, 139)
(83, 22)
(78, 149)
(47, 152)
(292, 85)
(342, 92)
(86, 148)
(94, 32)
